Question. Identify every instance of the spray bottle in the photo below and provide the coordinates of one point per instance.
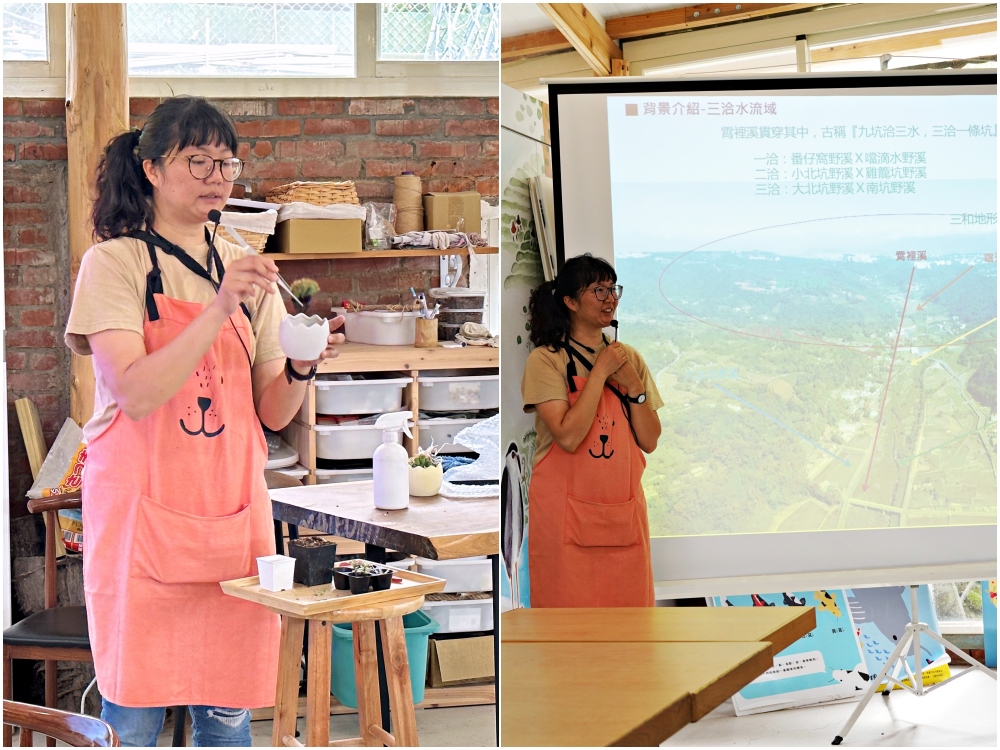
(391, 462)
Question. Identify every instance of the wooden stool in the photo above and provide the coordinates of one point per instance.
(389, 617)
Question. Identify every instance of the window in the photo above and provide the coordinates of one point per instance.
(240, 39)
(439, 32)
(959, 606)
(24, 32)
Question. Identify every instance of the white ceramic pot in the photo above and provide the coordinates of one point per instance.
(303, 337)
(425, 481)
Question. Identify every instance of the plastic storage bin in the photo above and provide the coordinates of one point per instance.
(383, 328)
(368, 396)
(417, 627)
(347, 442)
(298, 471)
(459, 393)
(442, 432)
(461, 615)
(466, 574)
(335, 476)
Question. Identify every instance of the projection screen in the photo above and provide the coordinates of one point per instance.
(809, 265)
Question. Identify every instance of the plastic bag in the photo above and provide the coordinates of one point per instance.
(380, 225)
(61, 473)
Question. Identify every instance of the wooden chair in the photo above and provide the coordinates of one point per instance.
(76, 730)
(55, 633)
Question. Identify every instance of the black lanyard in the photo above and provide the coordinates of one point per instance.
(571, 374)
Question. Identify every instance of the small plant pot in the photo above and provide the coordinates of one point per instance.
(341, 579)
(314, 560)
(359, 584)
(382, 581)
(425, 481)
(275, 572)
(303, 337)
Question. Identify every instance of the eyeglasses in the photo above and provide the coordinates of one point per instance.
(201, 167)
(602, 292)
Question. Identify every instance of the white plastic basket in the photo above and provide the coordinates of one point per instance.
(461, 393)
(468, 574)
(373, 396)
(336, 476)
(347, 443)
(442, 432)
(381, 328)
(461, 616)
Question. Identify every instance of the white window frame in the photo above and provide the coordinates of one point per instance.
(372, 78)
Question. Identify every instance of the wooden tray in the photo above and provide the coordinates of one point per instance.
(309, 601)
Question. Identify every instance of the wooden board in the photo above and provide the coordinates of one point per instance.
(313, 601)
(587, 694)
(372, 358)
(372, 254)
(438, 528)
(446, 697)
(780, 626)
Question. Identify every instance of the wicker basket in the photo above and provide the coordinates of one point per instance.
(315, 193)
(256, 240)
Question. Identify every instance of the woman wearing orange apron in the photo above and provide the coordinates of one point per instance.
(183, 331)
(594, 403)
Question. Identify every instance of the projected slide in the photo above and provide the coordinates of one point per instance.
(813, 281)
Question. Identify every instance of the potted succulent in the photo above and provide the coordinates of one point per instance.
(314, 560)
(359, 579)
(426, 473)
(304, 289)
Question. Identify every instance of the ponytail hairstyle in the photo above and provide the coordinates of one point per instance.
(548, 317)
(124, 194)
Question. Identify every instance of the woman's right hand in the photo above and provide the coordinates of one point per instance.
(610, 360)
(241, 280)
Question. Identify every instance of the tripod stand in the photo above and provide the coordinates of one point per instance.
(897, 661)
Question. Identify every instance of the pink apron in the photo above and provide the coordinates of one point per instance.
(173, 504)
(588, 534)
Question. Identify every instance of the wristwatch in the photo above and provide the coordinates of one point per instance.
(640, 399)
(291, 374)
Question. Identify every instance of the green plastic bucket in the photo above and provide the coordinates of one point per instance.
(417, 627)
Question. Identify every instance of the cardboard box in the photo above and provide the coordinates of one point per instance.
(460, 661)
(300, 236)
(443, 210)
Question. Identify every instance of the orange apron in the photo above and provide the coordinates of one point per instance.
(173, 504)
(588, 535)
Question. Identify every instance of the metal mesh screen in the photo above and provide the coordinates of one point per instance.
(241, 39)
(24, 31)
(439, 31)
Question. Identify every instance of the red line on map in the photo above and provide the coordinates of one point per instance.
(885, 392)
(923, 304)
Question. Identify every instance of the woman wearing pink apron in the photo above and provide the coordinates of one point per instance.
(595, 402)
(174, 496)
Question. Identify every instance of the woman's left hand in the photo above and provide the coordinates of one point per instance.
(629, 379)
(334, 340)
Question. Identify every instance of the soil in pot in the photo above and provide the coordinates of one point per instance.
(314, 560)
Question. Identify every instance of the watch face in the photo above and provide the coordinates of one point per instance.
(641, 398)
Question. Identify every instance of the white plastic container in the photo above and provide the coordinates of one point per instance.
(459, 393)
(382, 328)
(359, 396)
(303, 337)
(286, 456)
(468, 574)
(442, 432)
(337, 476)
(347, 442)
(276, 572)
(298, 471)
(407, 563)
(461, 616)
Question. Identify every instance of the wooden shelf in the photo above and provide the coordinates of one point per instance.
(371, 358)
(416, 253)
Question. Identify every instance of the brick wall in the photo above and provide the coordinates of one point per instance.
(452, 143)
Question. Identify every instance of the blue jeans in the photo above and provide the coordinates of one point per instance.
(213, 727)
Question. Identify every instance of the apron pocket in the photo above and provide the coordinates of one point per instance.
(600, 524)
(171, 546)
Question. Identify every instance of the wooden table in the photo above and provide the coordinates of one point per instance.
(779, 626)
(438, 528)
(639, 693)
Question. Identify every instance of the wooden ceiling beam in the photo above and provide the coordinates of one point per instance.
(585, 33)
(694, 16)
(898, 43)
(534, 44)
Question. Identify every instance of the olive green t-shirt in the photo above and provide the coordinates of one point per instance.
(544, 380)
